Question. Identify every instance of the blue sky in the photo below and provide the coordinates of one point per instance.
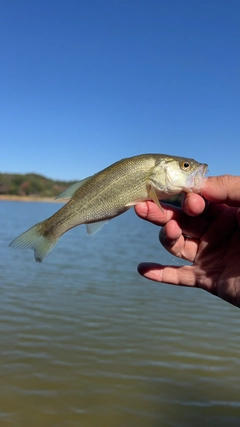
(86, 83)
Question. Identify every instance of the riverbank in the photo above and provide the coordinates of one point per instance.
(10, 198)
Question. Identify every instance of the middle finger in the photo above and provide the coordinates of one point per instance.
(174, 241)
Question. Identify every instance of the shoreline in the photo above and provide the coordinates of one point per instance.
(9, 198)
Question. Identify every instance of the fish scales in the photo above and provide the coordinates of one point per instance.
(104, 196)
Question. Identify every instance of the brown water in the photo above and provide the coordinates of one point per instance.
(85, 341)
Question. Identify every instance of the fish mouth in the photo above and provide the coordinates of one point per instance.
(199, 176)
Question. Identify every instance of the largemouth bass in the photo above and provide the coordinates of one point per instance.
(111, 192)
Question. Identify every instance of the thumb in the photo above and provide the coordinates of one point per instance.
(222, 189)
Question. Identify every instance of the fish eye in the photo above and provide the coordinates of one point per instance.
(185, 166)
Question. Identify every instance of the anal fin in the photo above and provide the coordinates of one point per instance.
(93, 227)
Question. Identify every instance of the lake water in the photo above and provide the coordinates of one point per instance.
(86, 341)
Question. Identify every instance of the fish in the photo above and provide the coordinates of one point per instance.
(111, 192)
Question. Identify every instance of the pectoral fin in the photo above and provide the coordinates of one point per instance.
(153, 195)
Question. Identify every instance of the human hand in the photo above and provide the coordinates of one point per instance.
(204, 233)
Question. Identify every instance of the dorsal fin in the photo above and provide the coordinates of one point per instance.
(70, 191)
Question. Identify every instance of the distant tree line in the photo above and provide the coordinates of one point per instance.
(30, 184)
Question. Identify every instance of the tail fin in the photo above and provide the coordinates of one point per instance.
(32, 239)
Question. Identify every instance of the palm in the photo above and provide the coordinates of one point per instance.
(217, 263)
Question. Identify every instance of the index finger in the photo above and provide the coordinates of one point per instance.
(151, 212)
(192, 205)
